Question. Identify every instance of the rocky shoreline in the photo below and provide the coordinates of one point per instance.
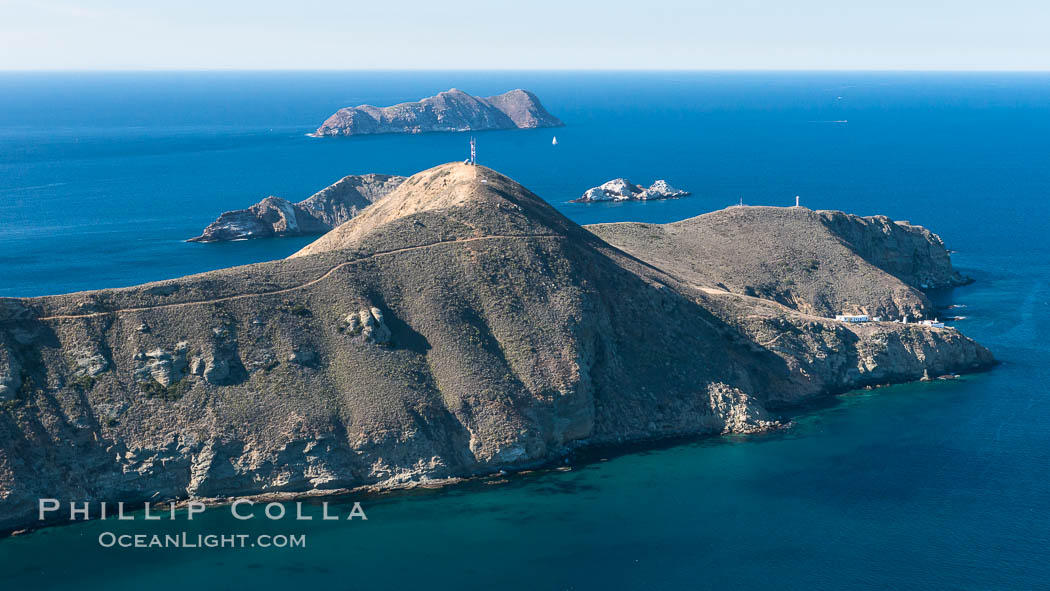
(570, 459)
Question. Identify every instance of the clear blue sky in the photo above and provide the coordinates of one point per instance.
(536, 34)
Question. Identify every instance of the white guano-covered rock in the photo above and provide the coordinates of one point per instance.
(621, 189)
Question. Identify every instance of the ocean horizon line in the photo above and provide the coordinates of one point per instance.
(654, 71)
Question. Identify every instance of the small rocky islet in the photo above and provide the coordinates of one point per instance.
(621, 189)
(459, 325)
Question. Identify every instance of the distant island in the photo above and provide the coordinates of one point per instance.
(317, 214)
(624, 190)
(452, 110)
(458, 326)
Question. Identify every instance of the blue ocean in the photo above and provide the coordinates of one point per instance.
(942, 485)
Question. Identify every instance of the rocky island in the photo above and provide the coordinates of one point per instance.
(317, 214)
(624, 190)
(452, 110)
(458, 326)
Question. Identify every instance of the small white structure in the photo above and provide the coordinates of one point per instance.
(796, 201)
(856, 318)
(932, 323)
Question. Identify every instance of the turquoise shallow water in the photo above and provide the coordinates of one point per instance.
(940, 485)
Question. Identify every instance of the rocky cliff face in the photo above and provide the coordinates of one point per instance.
(453, 110)
(316, 214)
(624, 190)
(911, 253)
(459, 326)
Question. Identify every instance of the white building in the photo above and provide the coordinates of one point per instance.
(852, 318)
(932, 323)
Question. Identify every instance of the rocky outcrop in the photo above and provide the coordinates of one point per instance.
(317, 214)
(368, 325)
(624, 190)
(89, 364)
(459, 326)
(453, 110)
(734, 411)
(221, 364)
(164, 366)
